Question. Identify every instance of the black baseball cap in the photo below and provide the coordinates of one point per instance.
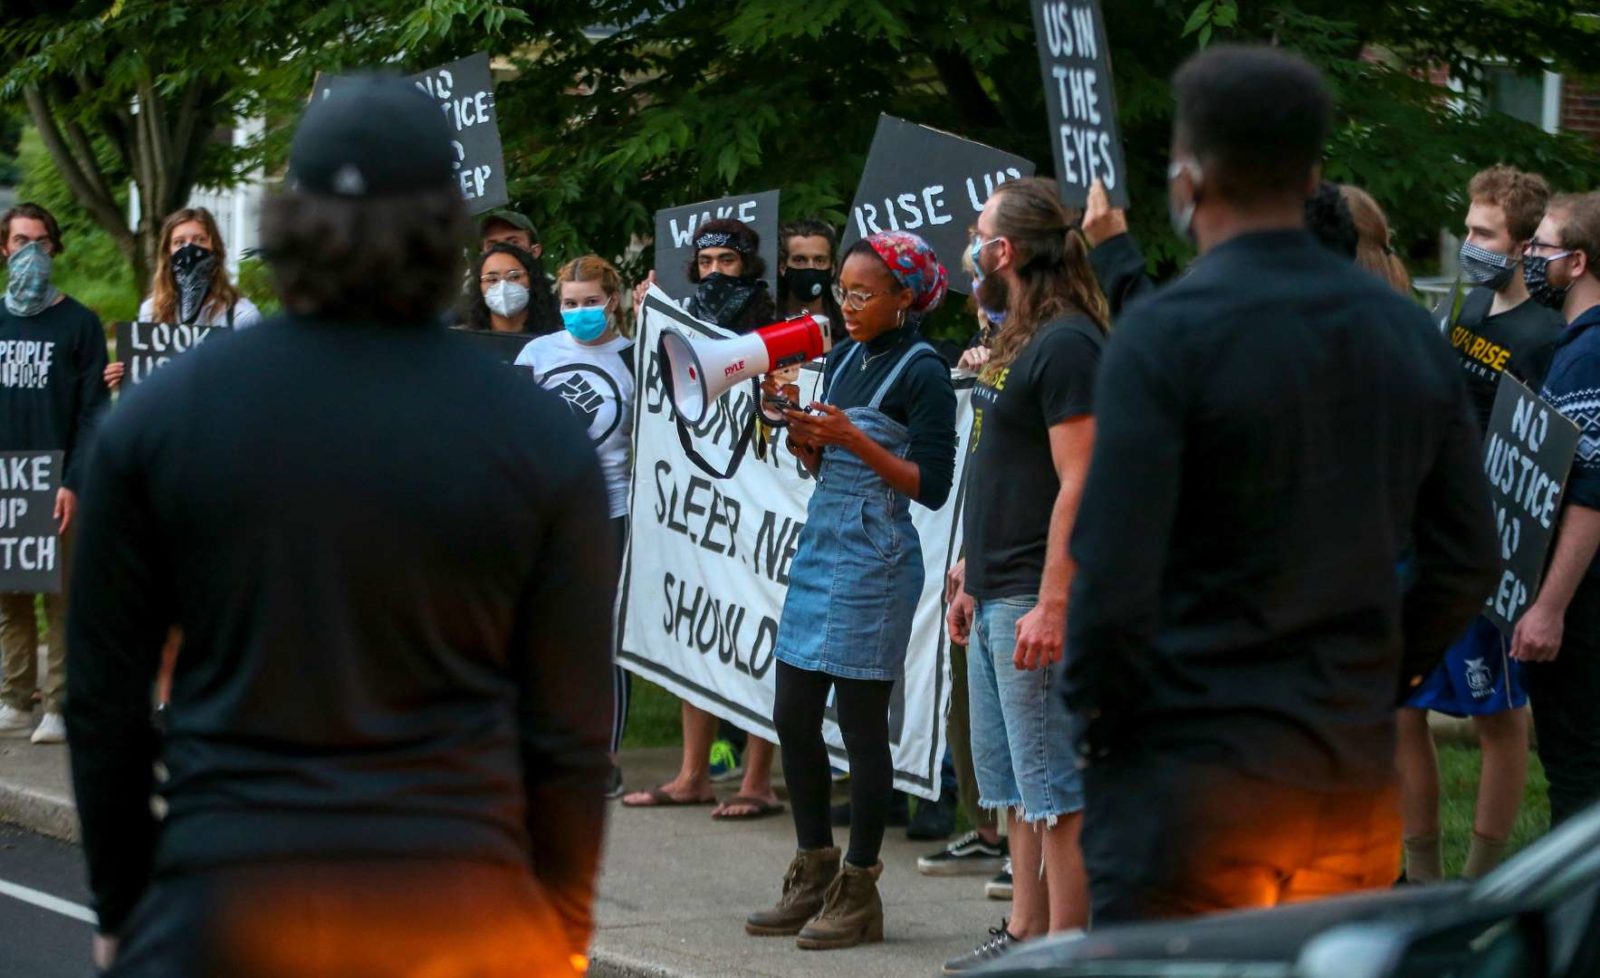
(371, 136)
(511, 217)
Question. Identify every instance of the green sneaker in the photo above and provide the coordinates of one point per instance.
(725, 763)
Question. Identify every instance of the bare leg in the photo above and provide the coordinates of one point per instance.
(694, 775)
(1418, 763)
(1503, 742)
(1067, 880)
(757, 782)
(1030, 904)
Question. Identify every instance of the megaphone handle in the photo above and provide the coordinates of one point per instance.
(738, 449)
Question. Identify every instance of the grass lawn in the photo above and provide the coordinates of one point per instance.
(653, 722)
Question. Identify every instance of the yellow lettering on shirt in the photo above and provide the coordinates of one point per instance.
(1491, 355)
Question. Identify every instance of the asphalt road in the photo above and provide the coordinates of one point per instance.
(39, 941)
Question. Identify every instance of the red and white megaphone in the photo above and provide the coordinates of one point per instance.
(701, 370)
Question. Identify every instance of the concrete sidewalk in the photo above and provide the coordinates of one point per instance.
(675, 886)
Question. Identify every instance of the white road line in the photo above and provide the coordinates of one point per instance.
(48, 902)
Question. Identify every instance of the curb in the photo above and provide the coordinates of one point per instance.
(607, 964)
(38, 811)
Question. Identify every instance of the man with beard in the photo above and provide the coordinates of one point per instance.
(1559, 635)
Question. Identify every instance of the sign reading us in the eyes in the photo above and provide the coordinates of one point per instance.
(1075, 63)
(676, 229)
(930, 183)
(465, 90)
(1527, 456)
(30, 545)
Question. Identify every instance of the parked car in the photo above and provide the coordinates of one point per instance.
(1537, 916)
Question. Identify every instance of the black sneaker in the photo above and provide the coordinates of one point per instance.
(933, 819)
(999, 944)
(967, 856)
(614, 784)
(999, 888)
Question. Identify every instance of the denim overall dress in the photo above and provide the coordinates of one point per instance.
(857, 573)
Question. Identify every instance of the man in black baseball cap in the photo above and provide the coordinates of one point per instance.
(509, 227)
(390, 562)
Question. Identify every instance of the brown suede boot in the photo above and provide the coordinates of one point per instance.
(803, 886)
(851, 913)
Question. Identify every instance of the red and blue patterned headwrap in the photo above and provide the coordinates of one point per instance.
(914, 265)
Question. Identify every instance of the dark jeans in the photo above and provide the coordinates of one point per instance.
(863, 708)
(338, 919)
(1167, 837)
(1566, 708)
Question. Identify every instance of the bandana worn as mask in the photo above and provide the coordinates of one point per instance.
(806, 284)
(1480, 266)
(192, 267)
(586, 324)
(28, 288)
(720, 299)
(1535, 274)
(506, 298)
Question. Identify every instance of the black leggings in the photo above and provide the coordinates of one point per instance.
(863, 708)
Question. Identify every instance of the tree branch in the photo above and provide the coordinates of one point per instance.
(89, 192)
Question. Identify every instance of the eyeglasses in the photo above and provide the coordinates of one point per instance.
(853, 301)
(495, 277)
(1536, 244)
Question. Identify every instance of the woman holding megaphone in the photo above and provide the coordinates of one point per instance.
(882, 436)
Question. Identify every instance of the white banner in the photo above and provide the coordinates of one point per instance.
(708, 561)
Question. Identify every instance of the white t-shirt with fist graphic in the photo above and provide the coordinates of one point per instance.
(596, 382)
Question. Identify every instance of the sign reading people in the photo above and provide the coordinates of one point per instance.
(1527, 456)
(708, 565)
(675, 233)
(465, 90)
(929, 182)
(1076, 66)
(30, 544)
(143, 347)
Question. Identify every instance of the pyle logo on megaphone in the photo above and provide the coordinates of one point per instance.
(690, 361)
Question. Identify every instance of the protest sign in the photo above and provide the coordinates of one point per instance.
(1075, 63)
(675, 228)
(30, 544)
(708, 564)
(1527, 456)
(143, 347)
(502, 346)
(465, 90)
(931, 183)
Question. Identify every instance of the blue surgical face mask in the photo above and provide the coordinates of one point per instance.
(978, 244)
(586, 324)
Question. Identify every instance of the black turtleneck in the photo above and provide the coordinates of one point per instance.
(921, 399)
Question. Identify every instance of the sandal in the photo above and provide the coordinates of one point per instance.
(661, 798)
(761, 809)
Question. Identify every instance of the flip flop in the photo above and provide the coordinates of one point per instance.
(762, 809)
(661, 798)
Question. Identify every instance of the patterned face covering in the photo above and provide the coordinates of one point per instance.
(192, 268)
(28, 288)
(1480, 266)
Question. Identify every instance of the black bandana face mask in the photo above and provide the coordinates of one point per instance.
(192, 268)
(720, 298)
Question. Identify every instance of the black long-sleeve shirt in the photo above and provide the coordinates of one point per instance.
(51, 386)
(921, 398)
(391, 564)
(1270, 430)
(1119, 267)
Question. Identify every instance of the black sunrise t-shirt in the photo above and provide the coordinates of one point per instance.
(1012, 483)
(1521, 339)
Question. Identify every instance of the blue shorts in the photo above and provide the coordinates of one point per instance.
(1476, 677)
(1022, 734)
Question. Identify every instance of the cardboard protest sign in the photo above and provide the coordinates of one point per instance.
(465, 90)
(145, 346)
(30, 544)
(502, 346)
(931, 183)
(1527, 457)
(708, 563)
(675, 228)
(1075, 63)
